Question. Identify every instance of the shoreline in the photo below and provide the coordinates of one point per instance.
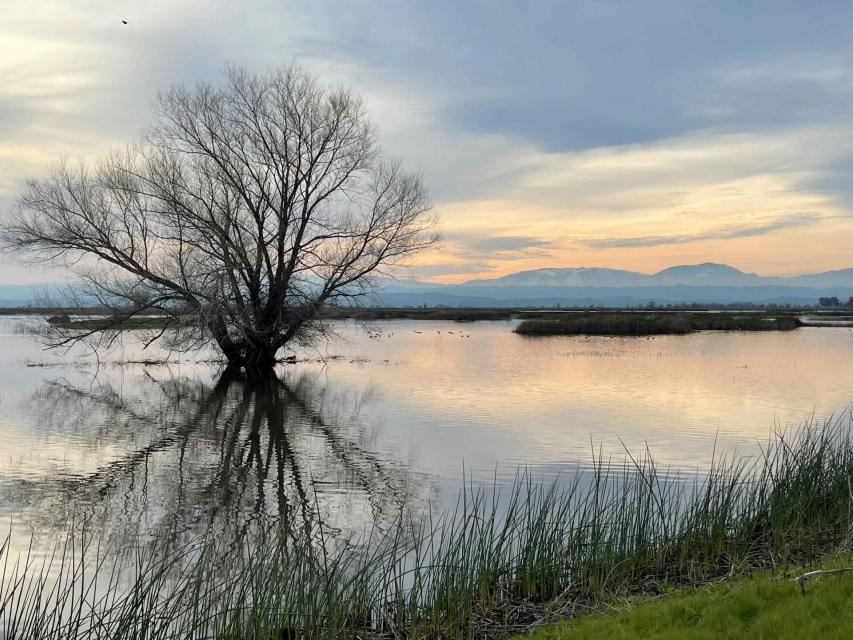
(487, 568)
(534, 322)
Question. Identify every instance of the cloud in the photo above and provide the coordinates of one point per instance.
(534, 124)
(726, 233)
(569, 76)
(493, 250)
(503, 244)
(444, 269)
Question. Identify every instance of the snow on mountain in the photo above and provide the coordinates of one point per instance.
(573, 277)
(707, 274)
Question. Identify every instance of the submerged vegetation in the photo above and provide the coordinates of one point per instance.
(647, 324)
(498, 563)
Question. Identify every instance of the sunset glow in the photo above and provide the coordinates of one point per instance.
(688, 174)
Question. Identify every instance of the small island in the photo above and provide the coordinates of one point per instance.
(628, 323)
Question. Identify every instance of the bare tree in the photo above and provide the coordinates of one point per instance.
(246, 208)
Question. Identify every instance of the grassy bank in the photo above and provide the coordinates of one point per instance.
(646, 324)
(495, 565)
(763, 606)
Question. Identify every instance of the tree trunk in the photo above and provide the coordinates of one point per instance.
(243, 355)
(257, 364)
(253, 378)
(259, 357)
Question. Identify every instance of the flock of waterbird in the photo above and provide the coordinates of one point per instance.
(378, 335)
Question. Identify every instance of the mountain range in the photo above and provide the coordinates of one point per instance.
(708, 282)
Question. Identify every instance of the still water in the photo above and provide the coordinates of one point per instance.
(385, 417)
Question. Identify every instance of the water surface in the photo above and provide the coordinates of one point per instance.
(382, 420)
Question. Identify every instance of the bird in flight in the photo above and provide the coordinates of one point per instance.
(124, 21)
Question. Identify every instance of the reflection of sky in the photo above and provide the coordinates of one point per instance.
(174, 453)
(37, 439)
(495, 397)
(375, 419)
(443, 394)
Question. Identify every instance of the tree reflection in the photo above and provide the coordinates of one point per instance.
(175, 456)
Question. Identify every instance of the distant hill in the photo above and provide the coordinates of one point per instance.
(578, 277)
(840, 278)
(707, 282)
(707, 274)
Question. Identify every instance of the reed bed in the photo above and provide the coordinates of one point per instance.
(498, 563)
(643, 324)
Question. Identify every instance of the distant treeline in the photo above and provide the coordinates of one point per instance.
(833, 301)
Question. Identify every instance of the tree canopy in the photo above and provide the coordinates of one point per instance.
(245, 208)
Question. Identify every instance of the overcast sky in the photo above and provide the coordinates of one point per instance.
(626, 134)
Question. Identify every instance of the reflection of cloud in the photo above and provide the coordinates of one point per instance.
(479, 396)
(726, 233)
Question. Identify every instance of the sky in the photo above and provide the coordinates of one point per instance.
(634, 135)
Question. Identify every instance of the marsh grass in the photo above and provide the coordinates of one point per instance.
(646, 324)
(498, 563)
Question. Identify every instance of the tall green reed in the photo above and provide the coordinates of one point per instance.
(500, 560)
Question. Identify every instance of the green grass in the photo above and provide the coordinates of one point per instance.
(646, 324)
(765, 606)
(492, 566)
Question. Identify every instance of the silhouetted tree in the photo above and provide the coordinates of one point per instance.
(247, 207)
